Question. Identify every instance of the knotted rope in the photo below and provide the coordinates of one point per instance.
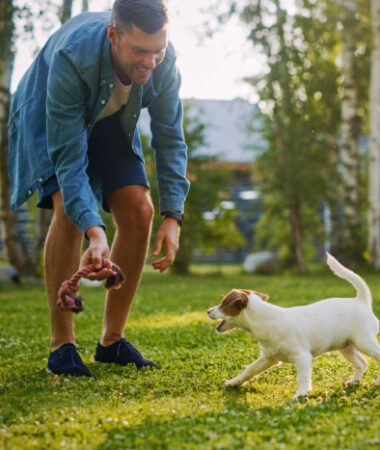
(68, 301)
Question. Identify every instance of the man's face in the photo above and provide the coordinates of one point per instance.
(135, 54)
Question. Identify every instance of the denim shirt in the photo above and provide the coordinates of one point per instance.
(56, 106)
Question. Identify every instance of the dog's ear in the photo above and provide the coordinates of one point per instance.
(234, 302)
(262, 296)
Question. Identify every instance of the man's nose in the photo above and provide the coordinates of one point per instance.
(150, 61)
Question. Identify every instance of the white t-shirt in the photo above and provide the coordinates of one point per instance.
(119, 98)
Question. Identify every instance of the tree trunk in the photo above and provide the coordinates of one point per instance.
(14, 245)
(84, 5)
(351, 130)
(285, 142)
(181, 265)
(374, 146)
(67, 7)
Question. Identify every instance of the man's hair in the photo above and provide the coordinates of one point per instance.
(148, 15)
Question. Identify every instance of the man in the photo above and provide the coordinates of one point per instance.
(73, 137)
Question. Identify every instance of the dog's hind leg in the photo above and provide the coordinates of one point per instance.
(371, 348)
(258, 366)
(352, 355)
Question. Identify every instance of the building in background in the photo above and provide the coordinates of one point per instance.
(233, 136)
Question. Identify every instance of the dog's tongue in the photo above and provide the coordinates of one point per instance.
(220, 325)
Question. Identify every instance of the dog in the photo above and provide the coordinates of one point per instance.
(299, 334)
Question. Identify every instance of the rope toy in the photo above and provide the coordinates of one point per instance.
(68, 301)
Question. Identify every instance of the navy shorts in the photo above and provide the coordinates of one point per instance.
(112, 164)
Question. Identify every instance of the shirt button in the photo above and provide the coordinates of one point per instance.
(41, 180)
(110, 85)
(88, 125)
(103, 102)
(134, 115)
(30, 192)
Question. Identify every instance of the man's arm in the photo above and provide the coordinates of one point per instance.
(67, 141)
(67, 148)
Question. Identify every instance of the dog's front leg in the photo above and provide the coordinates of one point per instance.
(303, 363)
(261, 364)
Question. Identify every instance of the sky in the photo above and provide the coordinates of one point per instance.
(211, 68)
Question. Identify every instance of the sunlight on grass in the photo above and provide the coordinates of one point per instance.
(170, 321)
(185, 405)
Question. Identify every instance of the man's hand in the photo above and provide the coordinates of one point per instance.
(167, 236)
(97, 250)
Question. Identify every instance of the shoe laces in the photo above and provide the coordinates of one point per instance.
(72, 350)
(123, 343)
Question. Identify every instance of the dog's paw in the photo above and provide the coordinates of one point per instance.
(233, 382)
(351, 383)
(299, 396)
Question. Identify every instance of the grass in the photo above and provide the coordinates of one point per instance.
(185, 405)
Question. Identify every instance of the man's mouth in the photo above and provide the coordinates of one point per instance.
(218, 328)
(143, 70)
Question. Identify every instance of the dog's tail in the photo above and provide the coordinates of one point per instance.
(362, 290)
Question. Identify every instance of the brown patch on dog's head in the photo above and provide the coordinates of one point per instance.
(234, 302)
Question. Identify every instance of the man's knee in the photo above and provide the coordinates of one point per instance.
(132, 207)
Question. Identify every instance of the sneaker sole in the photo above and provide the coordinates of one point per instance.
(66, 375)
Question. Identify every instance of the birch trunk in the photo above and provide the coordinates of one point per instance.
(349, 154)
(374, 146)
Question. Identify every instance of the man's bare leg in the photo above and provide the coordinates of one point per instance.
(62, 256)
(132, 211)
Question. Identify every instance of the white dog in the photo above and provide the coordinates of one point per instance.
(299, 334)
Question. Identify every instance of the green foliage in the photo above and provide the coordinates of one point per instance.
(210, 185)
(300, 93)
(185, 405)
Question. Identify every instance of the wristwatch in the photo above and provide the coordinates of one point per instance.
(177, 215)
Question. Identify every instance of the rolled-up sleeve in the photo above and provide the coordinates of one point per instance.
(67, 140)
(168, 142)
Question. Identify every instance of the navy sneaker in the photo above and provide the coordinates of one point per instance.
(66, 361)
(122, 352)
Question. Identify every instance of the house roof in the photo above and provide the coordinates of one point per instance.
(226, 128)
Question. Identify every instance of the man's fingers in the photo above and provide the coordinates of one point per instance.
(158, 244)
(97, 259)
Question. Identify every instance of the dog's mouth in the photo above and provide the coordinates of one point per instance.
(219, 327)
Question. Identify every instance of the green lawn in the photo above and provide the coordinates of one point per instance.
(186, 404)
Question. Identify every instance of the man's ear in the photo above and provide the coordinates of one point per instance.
(112, 33)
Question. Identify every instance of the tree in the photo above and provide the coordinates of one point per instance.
(374, 157)
(351, 245)
(303, 100)
(210, 184)
(294, 100)
(26, 259)
(15, 246)
(66, 12)
(84, 5)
